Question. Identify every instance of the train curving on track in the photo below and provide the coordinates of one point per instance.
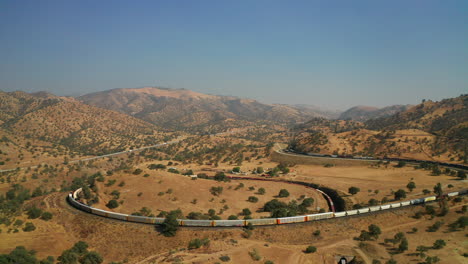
(74, 200)
(368, 158)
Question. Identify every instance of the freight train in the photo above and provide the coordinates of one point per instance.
(319, 155)
(73, 199)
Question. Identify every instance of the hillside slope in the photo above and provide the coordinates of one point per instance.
(363, 113)
(428, 131)
(180, 109)
(72, 124)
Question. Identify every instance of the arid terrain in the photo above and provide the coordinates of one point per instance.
(178, 176)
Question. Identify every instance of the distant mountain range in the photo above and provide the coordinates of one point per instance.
(430, 130)
(363, 113)
(180, 109)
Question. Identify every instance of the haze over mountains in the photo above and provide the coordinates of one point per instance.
(363, 113)
(105, 121)
(183, 109)
(428, 131)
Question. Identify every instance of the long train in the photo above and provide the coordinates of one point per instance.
(74, 201)
(444, 164)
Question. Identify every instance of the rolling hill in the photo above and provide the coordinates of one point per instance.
(363, 113)
(428, 131)
(180, 109)
(75, 126)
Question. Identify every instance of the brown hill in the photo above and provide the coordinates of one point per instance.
(428, 131)
(70, 123)
(363, 113)
(180, 109)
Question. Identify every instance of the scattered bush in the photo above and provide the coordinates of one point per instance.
(435, 226)
(34, 212)
(252, 199)
(283, 193)
(254, 255)
(310, 249)
(261, 191)
(112, 204)
(29, 227)
(439, 243)
(400, 194)
(353, 190)
(216, 190)
(46, 216)
(225, 258)
(198, 243)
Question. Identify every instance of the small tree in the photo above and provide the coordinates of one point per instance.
(403, 245)
(236, 169)
(252, 199)
(29, 227)
(438, 189)
(216, 190)
(432, 260)
(401, 164)
(283, 193)
(311, 249)
(34, 212)
(411, 186)
(170, 225)
(374, 231)
(353, 190)
(439, 243)
(92, 258)
(46, 216)
(400, 194)
(246, 211)
(461, 175)
(112, 204)
(261, 191)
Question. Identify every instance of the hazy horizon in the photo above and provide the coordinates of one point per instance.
(333, 56)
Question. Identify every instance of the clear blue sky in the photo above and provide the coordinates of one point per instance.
(327, 53)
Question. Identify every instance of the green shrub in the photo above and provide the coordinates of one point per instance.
(255, 255)
(310, 249)
(198, 243)
(225, 258)
(46, 216)
(34, 212)
(252, 199)
(112, 204)
(283, 193)
(29, 227)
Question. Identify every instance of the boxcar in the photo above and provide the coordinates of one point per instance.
(99, 212)
(405, 203)
(363, 210)
(189, 222)
(417, 201)
(117, 216)
(262, 221)
(229, 222)
(340, 214)
(385, 207)
(138, 219)
(452, 194)
(374, 208)
(395, 205)
(321, 216)
(352, 212)
(292, 219)
(429, 199)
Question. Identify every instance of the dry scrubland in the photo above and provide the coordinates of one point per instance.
(137, 243)
(163, 191)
